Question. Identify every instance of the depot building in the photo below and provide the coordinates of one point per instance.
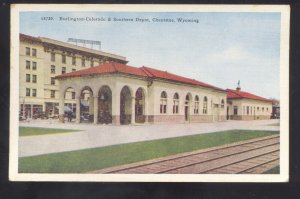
(121, 94)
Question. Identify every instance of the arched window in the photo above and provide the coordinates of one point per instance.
(163, 102)
(175, 103)
(205, 105)
(222, 103)
(196, 107)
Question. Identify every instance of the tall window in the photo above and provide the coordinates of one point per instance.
(28, 51)
(52, 69)
(263, 109)
(247, 110)
(92, 63)
(222, 103)
(52, 81)
(163, 102)
(74, 60)
(175, 103)
(33, 65)
(27, 77)
(33, 92)
(73, 95)
(27, 92)
(205, 105)
(34, 52)
(34, 79)
(52, 94)
(52, 56)
(63, 70)
(235, 110)
(63, 59)
(27, 64)
(196, 107)
(83, 62)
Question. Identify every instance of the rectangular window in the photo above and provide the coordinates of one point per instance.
(52, 81)
(28, 51)
(73, 95)
(63, 59)
(34, 52)
(34, 79)
(27, 92)
(73, 60)
(33, 92)
(52, 94)
(83, 62)
(52, 69)
(63, 70)
(73, 69)
(52, 56)
(27, 64)
(92, 63)
(27, 77)
(235, 110)
(247, 110)
(33, 65)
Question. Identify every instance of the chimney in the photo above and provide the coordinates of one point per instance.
(238, 88)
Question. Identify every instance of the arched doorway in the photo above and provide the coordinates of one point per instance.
(187, 103)
(86, 105)
(70, 104)
(139, 106)
(105, 105)
(125, 105)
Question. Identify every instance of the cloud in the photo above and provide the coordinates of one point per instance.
(231, 54)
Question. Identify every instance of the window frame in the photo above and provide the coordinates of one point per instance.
(34, 78)
(52, 69)
(34, 65)
(63, 59)
(52, 80)
(27, 92)
(63, 70)
(28, 64)
(52, 58)
(34, 92)
(205, 102)
(28, 78)
(163, 102)
(27, 51)
(34, 52)
(52, 93)
(176, 103)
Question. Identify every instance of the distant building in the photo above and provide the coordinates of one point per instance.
(246, 106)
(41, 59)
(122, 94)
(275, 109)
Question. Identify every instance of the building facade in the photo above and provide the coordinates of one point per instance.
(41, 59)
(122, 94)
(246, 106)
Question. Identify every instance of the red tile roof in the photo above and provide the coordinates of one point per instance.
(113, 67)
(36, 39)
(234, 94)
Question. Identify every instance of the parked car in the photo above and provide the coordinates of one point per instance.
(42, 115)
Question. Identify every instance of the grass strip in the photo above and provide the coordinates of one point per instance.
(275, 170)
(30, 131)
(104, 157)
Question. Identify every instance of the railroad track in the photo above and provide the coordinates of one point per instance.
(252, 156)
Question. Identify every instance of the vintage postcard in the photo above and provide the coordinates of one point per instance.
(160, 93)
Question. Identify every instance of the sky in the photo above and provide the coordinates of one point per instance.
(215, 48)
